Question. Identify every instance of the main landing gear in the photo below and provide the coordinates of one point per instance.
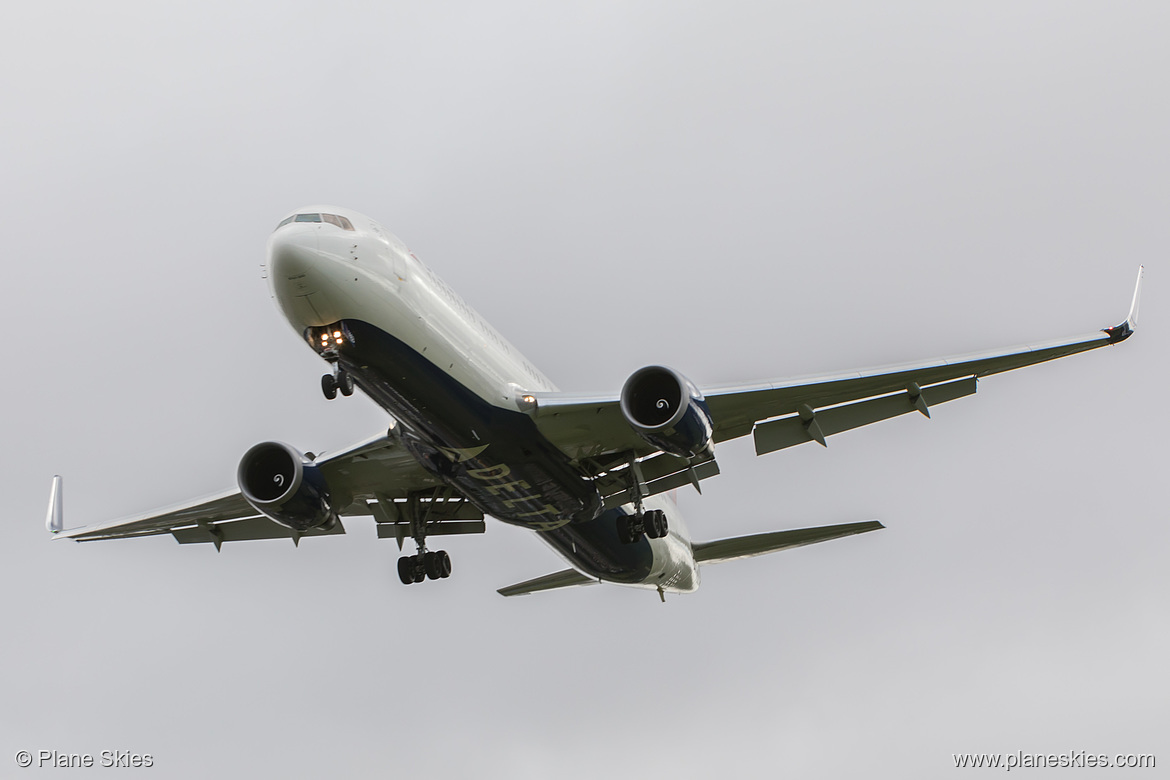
(426, 565)
(652, 523)
(341, 380)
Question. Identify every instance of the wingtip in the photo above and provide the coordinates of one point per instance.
(55, 519)
(1137, 296)
(1119, 333)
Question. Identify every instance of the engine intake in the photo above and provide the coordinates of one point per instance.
(667, 411)
(285, 486)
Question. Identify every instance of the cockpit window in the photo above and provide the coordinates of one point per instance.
(332, 219)
(341, 222)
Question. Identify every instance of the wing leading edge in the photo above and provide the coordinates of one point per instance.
(801, 409)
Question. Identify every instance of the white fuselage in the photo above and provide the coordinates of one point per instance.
(322, 274)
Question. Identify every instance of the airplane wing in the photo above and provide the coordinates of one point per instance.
(373, 472)
(787, 412)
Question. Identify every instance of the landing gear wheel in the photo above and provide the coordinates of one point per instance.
(655, 523)
(431, 565)
(444, 564)
(344, 382)
(627, 530)
(329, 386)
(406, 570)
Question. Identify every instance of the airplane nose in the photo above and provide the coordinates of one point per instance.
(292, 257)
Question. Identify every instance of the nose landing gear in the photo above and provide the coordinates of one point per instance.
(328, 341)
(341, 380)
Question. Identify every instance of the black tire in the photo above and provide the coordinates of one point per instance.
(420, 573)
(345, 383)
(444, 564)
(406, 570)
(431, 565)
(329, 386)
(663, 524)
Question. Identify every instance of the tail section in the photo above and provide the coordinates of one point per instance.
(738, 547)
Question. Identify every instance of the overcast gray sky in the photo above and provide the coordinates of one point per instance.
(739, 190)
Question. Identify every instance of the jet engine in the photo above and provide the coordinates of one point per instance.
(282, 483)
(667, 410)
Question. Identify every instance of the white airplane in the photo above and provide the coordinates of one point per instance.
(477, 430)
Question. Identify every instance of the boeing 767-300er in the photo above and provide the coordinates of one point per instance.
(477, 430)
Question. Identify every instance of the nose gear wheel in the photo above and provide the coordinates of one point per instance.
(331, 383)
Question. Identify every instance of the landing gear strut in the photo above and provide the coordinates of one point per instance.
(331, 339)
(425, 564)
(652, 523)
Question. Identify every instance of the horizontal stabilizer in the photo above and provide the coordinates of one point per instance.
(738, 547)
(561, 579)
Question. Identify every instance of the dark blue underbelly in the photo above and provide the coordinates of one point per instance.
(495, 457)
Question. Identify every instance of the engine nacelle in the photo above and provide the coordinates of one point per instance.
(285, 486)
(667, 410)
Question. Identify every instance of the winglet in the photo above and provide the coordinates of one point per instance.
(1123, 331)
(55, 519)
